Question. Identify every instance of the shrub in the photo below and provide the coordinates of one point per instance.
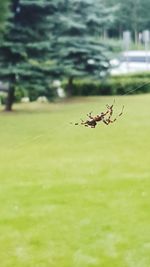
(116, 85)
(19, 93)
(3, 97)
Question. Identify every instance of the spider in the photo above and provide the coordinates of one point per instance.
(105, 117)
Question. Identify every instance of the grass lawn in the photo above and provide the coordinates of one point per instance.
(73, 196)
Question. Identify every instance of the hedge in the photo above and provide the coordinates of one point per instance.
(116, 85)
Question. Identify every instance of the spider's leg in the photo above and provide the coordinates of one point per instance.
(111, 108)
(121, 111)
(110, 113)
(90, 115)
(74, 123)
(84, 123)
(108, 121)
(119, 114)
(103, 114)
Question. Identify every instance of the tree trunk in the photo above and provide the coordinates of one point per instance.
(136, 36)
(105, 34)
(10, 98)
(70, 86)
(120, 32)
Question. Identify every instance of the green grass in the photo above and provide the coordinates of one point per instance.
(72, 196)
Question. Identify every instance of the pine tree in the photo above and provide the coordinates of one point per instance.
(75, 39)
(24, 59)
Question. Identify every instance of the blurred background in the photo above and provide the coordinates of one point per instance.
(53, 49)
(72, 196)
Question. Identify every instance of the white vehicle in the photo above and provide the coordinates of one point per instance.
(130, 62)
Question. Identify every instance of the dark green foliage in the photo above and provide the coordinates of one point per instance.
(117, 85)
(24, 53)
(75, 39)
(4, 13)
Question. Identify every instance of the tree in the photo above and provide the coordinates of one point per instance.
(131, 15)
(24, 53)
(75, 39)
